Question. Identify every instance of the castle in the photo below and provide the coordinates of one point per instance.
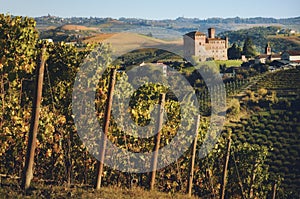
(197, 44)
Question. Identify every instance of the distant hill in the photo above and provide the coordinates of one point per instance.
(68, 32)
(130, 41)
(98, 38)
(261, 30)
(180, 24)
(262, 35)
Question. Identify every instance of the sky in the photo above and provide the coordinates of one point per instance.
(153, 9)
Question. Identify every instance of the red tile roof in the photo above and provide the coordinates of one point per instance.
(262, 56)
(293, 52)
(276, 56)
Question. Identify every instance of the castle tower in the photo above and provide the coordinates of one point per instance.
(211, 33)
(226, 42)
(268, 50)
(193, 42)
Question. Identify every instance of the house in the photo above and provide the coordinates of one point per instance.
(287, 31)
(230, 72)
(268, 56)
(261, 59)
(197, 44)
(48, 40)
(291, 55)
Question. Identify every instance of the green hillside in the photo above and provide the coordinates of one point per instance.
(276, 126)
(262, 35)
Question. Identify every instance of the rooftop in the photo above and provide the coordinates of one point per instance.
(214, 39)
(195, 33)
(293, 52)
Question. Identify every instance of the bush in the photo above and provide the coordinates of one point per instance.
(270, 127)
(280, 157)
(279, 128)
(284, 136)
(285, 170)
(263, 137)
(251, 140)
(234, 108)
(278, 163)
(245, 122)
(261, 126)
(293, 153)
(259, 141)
(283, 140)
(269, 143)
(275, 151)
(278, 145)
(285, 152)
(262, 92)
(242, 139)
(273, 139)
(254, 118)
(276, 117)
(267, 132)
(275, 133)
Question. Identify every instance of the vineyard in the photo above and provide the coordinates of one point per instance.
(275, 126)
(260, 141)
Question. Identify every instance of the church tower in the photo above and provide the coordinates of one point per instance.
(268, 50)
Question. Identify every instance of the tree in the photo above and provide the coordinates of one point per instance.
(249, 48)
(234, 52)
(149, 34)
(222, 68)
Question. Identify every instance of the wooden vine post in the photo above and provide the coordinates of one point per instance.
(274, 190)
(225, 168)
(192, 163)
(157, 140)
(36, 107)
(105, 128)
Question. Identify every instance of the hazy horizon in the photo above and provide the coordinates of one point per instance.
(155, 10)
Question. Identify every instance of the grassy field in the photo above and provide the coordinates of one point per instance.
(229, 63)
(77, 27)
(215, 65)
(130, 38)
(122, 43)
(98, 38)
(293, 38)
(10, 189)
